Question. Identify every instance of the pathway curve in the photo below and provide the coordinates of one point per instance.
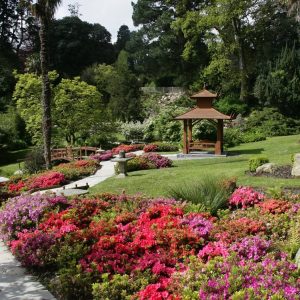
(15, 284)
(107, 170)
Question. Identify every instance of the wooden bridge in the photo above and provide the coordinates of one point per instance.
(72, 153)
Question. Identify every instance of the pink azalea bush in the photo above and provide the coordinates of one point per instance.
(148, 161)
(244, 197)
(107, 155)
(45, 180)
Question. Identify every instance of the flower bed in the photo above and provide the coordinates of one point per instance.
(123, 247)
(127, 148)
(56, 177)
(107, 155)
(147, 161)
(77, 169)
(39, 181)
(160, 147)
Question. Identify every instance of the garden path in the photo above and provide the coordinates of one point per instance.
(15, 284)
(107, 170)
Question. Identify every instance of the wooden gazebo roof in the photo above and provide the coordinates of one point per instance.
(204, 108)
(203, 113)
(204, 94)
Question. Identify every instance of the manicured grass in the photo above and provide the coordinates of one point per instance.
(157, 182)
(9, 161)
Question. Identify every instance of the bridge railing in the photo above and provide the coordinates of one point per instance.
(72, 153)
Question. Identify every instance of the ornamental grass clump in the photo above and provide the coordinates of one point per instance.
(209, 193)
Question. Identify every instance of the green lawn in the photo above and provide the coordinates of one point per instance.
(9, 161)
(156, 182)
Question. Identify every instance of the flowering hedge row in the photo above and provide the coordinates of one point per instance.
(57, 176)
(121, 247)
(106, 155)
(77, 169)
(160, 147)
(127, 148)
(147, 161)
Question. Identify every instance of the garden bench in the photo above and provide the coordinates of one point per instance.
(201, 145)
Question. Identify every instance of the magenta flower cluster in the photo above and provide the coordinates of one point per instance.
(107, 155)
(158, 160)
(253, 248)
(244, 197)
(255, 279)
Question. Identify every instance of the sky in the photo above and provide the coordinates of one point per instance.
(109, 13)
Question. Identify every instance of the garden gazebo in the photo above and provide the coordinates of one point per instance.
(203, 110)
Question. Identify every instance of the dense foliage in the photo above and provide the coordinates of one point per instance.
(246, 51)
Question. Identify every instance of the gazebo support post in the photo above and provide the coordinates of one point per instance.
(190, 131)
(219, 143)
(185, 138)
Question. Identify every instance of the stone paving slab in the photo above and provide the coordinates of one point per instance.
(15, 283)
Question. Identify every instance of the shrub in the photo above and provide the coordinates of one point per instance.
(150, 148)
(127, 148)
(274, 206)
(45, 180)
(256, 162)
(253, 136)
(107, 155)
(77, 169)
(271, 122)
(24, 212)
(145, 162)
(34, 161)
(139, 163)
(209, 193)
(134, 130)
(158, 160)
(245, 197)
(125, 285)
(160, 147)
(232, 137)
(235, 278)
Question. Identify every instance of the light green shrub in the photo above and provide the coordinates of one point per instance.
(256, 162)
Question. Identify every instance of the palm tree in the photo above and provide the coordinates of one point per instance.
(44, 11)
(293, 8)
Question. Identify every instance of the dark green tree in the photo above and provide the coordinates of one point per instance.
(123, 37)
(279, 84)
(119, 87)
(75, 45)
(160, 46)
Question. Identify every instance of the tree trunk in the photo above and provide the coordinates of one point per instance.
(46, 93)
(242, 63)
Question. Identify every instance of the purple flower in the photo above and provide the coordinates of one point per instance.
(251, 248)
(24, 212)
(198, 224)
